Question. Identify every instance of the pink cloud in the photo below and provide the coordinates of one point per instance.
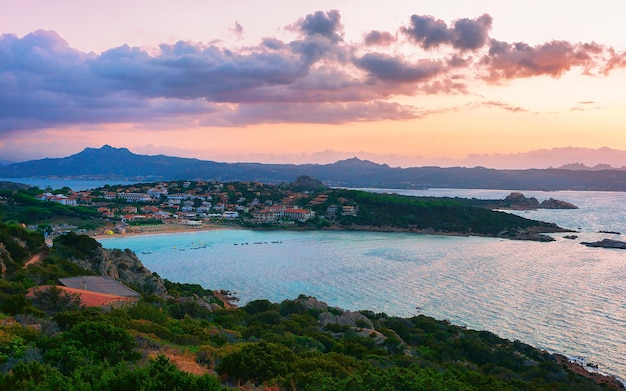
(518, 60)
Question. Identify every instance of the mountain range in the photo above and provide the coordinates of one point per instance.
(110, 163)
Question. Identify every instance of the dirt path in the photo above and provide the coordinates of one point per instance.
(33, 260)
(183, 361)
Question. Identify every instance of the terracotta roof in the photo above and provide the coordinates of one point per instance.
(87, 298)
(100, 284)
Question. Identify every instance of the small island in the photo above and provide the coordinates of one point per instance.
(607, 243)
(517, 201)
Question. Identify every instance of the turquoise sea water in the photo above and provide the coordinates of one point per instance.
(561, 296)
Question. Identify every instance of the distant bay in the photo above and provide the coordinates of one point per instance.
(59, 183)
(560, 296)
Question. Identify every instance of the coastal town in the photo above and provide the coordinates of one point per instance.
(155, 207)
(305, 203)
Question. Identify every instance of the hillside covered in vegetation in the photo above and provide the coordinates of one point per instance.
(437, 215)
(185, 338)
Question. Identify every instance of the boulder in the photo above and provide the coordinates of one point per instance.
(346, 318)
(311, 303)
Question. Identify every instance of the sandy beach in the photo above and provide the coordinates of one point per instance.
(161, 229)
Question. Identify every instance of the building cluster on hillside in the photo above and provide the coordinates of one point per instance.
(189, 202)
(60, 198)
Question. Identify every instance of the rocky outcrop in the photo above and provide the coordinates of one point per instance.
(306, 183)
(4, 255)
(311, 303)
(611, 382)
(124, 266)
(551, 203)
(200, 301)
(607, 243)
(533, 237)
(328, 315)
(347, 318)
(518, 201)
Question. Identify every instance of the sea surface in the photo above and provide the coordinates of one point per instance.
(59, 183)
(561, 296)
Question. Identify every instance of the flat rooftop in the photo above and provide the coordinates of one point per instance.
(100, 284)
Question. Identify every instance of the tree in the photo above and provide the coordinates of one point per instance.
(259, 363)
(104, 341)
(53, 300)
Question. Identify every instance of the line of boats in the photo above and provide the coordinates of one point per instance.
(246, 243)
(200, 246)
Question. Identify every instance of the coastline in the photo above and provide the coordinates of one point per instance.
(161, 230)
(181, 228)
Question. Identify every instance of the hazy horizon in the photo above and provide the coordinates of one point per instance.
(554, 158)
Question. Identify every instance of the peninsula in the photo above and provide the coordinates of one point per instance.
(303, 204)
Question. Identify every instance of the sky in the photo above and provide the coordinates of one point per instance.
(505, 84)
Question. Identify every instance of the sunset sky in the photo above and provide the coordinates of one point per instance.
(409, 83)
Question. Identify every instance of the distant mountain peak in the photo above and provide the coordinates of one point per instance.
(356, 162)
(583, 167)
(105, 150)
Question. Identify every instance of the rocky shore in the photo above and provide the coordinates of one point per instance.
(518, 201)
(610, 381)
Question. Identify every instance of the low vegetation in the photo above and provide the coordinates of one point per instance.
(21, 207)
(431, 214)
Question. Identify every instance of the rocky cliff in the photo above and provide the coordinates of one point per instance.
(124, 266)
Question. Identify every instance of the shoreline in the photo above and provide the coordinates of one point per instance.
(162, 230)
(176, 228)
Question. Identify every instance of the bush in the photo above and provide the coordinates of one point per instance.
(103, 341)
(262, 362)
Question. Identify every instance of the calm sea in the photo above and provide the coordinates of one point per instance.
(560, 296)
(58, 183)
